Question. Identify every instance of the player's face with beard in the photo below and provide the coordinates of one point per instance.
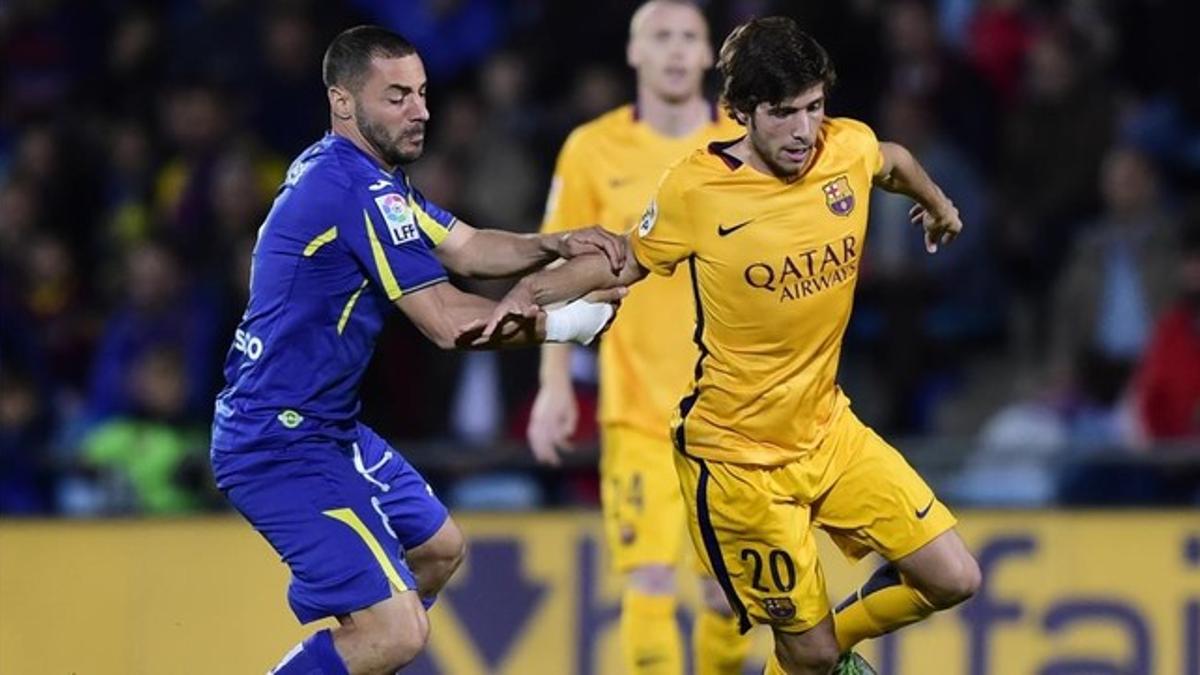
(784, 135)
(390, 109)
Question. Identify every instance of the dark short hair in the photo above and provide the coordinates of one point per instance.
(768, 60)
(349, 55)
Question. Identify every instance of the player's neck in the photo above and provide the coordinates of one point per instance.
(745, 152)
(674, 120)
(349, 131)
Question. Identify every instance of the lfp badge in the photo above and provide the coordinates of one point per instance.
(838, 196)
(400, 220)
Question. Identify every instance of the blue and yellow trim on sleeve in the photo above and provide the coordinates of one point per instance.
(436, 232)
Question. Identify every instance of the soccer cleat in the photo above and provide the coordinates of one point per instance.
(853, 664)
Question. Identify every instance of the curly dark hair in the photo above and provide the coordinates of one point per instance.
(768, 60)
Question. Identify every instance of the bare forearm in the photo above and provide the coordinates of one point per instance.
(578, 277)
(452, 319)
(556, 364)
(473, 309)
(497, 254)
(908, 177)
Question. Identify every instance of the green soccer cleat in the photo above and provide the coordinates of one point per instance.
(853, 664)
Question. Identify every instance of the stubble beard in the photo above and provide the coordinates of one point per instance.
(389, 148)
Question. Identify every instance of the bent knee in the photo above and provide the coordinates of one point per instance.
(395, 633)
(452, 551)
(813, 657)
(442, 554)
(407, 640)
(955, 586)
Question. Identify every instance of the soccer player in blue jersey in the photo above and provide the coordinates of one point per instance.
(347, 239)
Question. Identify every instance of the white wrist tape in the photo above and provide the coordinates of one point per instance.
(579, 321)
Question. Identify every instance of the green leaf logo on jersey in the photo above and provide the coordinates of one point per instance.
(290, 418)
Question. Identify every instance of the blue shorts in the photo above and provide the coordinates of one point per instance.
(339, 516)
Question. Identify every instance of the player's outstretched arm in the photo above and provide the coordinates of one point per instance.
(452, 319)
(491, 254)
(573, 279)
(934, 212)
(445, 315)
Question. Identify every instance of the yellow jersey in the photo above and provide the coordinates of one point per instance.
(772, 265)
(605, 175)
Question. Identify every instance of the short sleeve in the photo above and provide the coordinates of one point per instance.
(434, 221)
(663, 237)
(384, 235)
(571, 202)
(866, 139)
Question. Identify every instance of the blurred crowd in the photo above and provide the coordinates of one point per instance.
(141, 144)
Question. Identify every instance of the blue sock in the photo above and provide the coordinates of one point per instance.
(314, 656)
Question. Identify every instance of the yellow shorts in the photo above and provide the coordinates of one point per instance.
(639, 493)
(752, 525)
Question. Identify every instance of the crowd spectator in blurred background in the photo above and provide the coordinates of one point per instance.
(1167, 383)
(1118, 276)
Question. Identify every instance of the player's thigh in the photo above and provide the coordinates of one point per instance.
(325, 522)
(413, 512)
(639, 494)
(877, 501)
(756, 540)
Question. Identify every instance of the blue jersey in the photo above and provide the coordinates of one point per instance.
(343, 240)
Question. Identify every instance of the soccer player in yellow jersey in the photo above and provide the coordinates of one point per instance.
(606, 173)
(771, 227)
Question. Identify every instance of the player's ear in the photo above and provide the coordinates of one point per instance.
(341, 103)
(633, 56)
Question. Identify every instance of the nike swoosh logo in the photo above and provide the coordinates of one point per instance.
(615, 183)
(925, 511)
(726, 231)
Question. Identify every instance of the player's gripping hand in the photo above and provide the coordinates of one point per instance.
(552, 422)
(519, 305)
(941, 225)
(592, 240)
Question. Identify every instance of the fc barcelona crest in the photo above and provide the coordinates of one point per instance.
(780, 609)
(838, 196)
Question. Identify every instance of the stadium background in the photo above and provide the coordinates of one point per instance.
(1043, 372)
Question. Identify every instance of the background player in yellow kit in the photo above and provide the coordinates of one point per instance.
(771, 227)
(606, 173)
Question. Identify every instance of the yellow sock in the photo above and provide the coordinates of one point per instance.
(718, 647)
(882, 605)
(650, 640)
(773, 667)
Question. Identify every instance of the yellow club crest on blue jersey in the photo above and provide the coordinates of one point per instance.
(838, 196)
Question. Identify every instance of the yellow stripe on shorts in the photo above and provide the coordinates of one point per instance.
(351, 518)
